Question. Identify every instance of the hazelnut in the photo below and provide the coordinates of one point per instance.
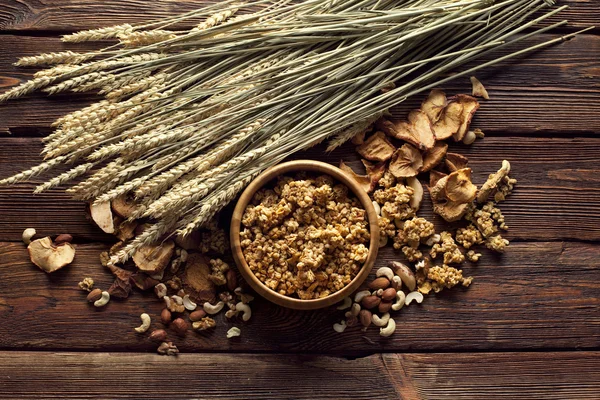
(370, 302)
(388, 294)
(94, 295)
(379, 283)
(384, 306)
(64, 238)
(158, 335)
(180, 326)
(366, 317)
(231, 280)
(165, 316)
(197, 315)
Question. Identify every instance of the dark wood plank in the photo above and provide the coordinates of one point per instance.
(536, 296)
(556, 198)
(537, 93)
(65, 15)
(554, 375)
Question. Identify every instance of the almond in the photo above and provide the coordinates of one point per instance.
(94, 295)
(197, 315)
(370, 302)
(384, 306)
(159, 335)
(388, 294)
(379, 283)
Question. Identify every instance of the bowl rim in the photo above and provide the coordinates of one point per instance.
(259, 182)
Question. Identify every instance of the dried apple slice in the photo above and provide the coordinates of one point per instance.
(422, 128)
(374, 171)
(459, 187)
(449, 122)
(434, 156)
(435, 176)
(406, 162)
(451, 211)
(470, 105)
(455, 161)
(434, 105)
(362, 180)
(478, 89)
(376, 148)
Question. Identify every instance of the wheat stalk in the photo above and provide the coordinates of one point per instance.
(189, 117)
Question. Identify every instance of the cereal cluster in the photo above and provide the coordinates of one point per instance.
(305, 237)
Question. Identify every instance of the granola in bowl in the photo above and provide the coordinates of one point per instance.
(305, 236)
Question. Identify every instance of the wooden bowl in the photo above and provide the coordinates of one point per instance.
(265, 178)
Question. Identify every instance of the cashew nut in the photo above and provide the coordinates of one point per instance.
(377, 207)
(27, 235)
(397, 282)
(389, 329)
(355, 310)
(213, 309)
(377, 321)
(417, 296)
(385, 271)
(244, 309)
(189, 304)
(378, 292)
(341, 327)
(400, 298)
(233, 332)
(360, 295)
(103, 300)
(347, 303)
(145, 323)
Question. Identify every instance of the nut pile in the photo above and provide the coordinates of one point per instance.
(305, 237)
(188, 275)
(391, 181)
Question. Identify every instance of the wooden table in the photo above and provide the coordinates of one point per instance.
(529, 326)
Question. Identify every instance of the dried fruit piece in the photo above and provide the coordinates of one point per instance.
(374, 171)
(406, 162)
(48, 256)
(450, 211)
(470, 105)
(434, 156)
(126, 230)
(154, 259)
(455, 161)
(102, 215)
(434, 105)
(459, 187)
(363, 180)
(434, 177)
(449, 122)
(197, 284)
(376, 148)
(491, 185)
(123, 206)
(478, 89)
(417, 131)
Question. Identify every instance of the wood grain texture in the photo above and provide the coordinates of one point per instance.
(65, 15)
(557, 197)
(536, 94)
(536, 296)
(553, 375)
